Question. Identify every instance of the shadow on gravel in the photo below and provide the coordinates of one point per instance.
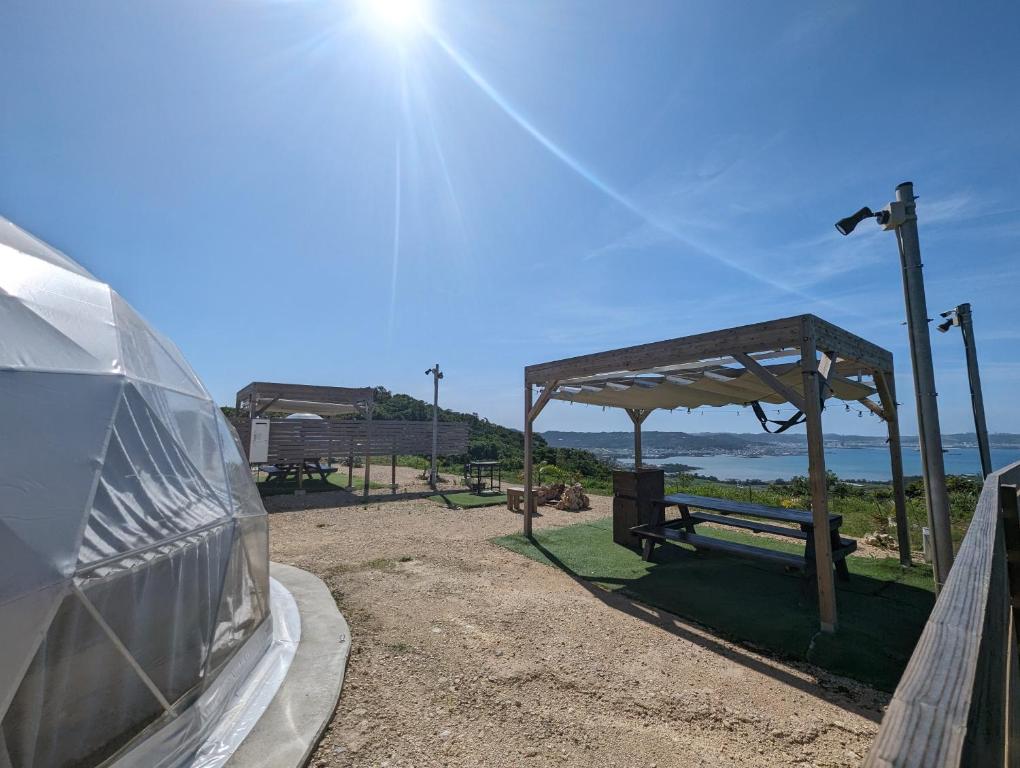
(881, 610)
(337, 498)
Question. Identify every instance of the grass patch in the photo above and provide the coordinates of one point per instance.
(881, 610)
(465, 500)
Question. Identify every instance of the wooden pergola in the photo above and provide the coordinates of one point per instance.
(801, 360)
(261, 396)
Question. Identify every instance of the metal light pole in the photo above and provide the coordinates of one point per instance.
(929, 430)
(437, 375)
(962, 317)
(901, 217)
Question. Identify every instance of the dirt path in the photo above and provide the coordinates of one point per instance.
(465, 654)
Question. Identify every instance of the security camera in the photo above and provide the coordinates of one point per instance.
(892, 215)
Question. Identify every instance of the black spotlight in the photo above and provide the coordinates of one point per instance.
(951, 319)
(847, 225)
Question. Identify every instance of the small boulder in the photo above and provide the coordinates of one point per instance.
(573, 499)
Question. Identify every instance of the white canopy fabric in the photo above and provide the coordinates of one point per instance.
(693, 388)
(133, 543)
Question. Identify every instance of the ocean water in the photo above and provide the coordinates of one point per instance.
(848, 463)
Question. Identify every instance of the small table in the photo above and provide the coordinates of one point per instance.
(477, 468)
(682, 530)
(515, 500)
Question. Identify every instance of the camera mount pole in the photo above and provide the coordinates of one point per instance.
(437, 375)
(977, 402)
(928, 428)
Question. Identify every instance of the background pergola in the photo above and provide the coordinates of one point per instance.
(801, 360)
(261, 396)
(295, 440)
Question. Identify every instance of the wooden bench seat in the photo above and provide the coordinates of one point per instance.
(664, 533)
(751, 525)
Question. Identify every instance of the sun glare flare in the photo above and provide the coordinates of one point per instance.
(395, 17)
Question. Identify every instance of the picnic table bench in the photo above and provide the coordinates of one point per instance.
(683, 531)
(281, 472)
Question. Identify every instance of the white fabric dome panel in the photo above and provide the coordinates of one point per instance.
(133, 543)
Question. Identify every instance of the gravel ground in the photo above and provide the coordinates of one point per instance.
(466, 654)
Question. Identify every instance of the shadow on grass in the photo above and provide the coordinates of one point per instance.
(881, 610)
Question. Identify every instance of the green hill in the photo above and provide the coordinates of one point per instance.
(492, 441)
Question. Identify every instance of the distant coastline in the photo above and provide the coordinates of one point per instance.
(779, 457)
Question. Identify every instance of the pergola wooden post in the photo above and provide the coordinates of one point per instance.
(817, 478)
(531, 411)
(638, 416)
(887, 393)
(368, 448)
(528, 426)
(696, 371)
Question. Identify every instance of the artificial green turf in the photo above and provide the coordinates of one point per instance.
(882, 609)
(466, 500)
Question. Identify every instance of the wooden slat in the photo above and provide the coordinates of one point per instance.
(295, 439)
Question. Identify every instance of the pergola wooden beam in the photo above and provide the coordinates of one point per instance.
(306, 392)
(547, 392)
(874, 407)
(767, 377)
(758, 337)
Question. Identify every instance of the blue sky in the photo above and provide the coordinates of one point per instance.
(294, 193)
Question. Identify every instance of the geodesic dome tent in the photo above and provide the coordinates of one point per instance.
(133, 543)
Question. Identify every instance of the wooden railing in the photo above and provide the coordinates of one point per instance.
(956, 704)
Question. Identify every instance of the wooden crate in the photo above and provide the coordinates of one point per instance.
(630, 512)
(639, 483)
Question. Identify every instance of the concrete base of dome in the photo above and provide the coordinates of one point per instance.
(290, 728)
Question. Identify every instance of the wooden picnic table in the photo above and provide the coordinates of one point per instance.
(284, 471)
(683, 530)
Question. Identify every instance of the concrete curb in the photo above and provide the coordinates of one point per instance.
(289, 730)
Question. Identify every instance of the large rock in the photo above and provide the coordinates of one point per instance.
(547, 493)
(573, 499)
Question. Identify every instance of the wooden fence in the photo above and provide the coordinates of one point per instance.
(297, 439)
(956, 704)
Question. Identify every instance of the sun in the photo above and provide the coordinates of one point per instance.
(395, 17)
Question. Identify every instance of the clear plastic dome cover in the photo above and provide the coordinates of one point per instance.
(133, 543)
